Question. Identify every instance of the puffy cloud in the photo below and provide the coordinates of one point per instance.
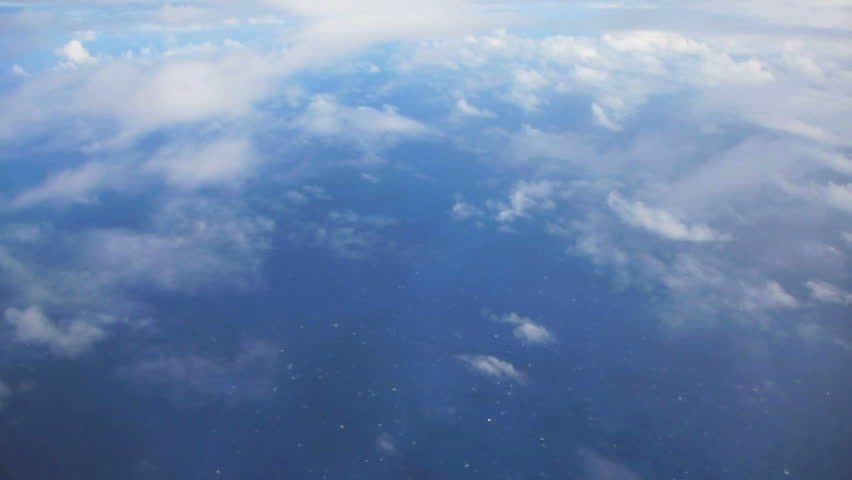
(32, 326)
(528, 331)
(493, 367)
(660, 221)
(828, 293)
(74, 53)
(525, 196)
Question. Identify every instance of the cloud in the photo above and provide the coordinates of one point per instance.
(828, 293)
(525, 196)
(526, 330)
(660, 221)
(125, 98)
(462, 210)
(191, 166)
(325, 117)
(74, 185)
(465, 108)
(74, 53)
(771, 296)
(248, 373)
(602, 119)
(351, 235)
(19, 71)
(191, 244)
(598, 467)
(34, 327)
(493, 367)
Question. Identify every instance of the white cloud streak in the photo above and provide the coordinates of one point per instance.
(660, 222)
(493, 367)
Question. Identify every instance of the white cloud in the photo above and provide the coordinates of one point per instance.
(192, 243)
(828, 293)
(131, 97)
(325, 117)
(74, 53)
(602, 119)
(771, 296)
(33, 327)
(528, 331)
(220, 162)
(462, 210)
(526, 196)
(331, 29)
(72, 185)
(493, 367)
(660, 221)
(19, 71)
(465, 108)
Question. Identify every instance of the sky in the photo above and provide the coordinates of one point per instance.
(446, 239)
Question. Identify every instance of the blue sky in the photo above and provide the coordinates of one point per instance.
(425, 240)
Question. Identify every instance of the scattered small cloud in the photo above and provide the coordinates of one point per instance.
(493, 367)
(525, 196)
(527, 331)
(462, 210)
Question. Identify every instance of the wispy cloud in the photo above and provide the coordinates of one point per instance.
(493, 367)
